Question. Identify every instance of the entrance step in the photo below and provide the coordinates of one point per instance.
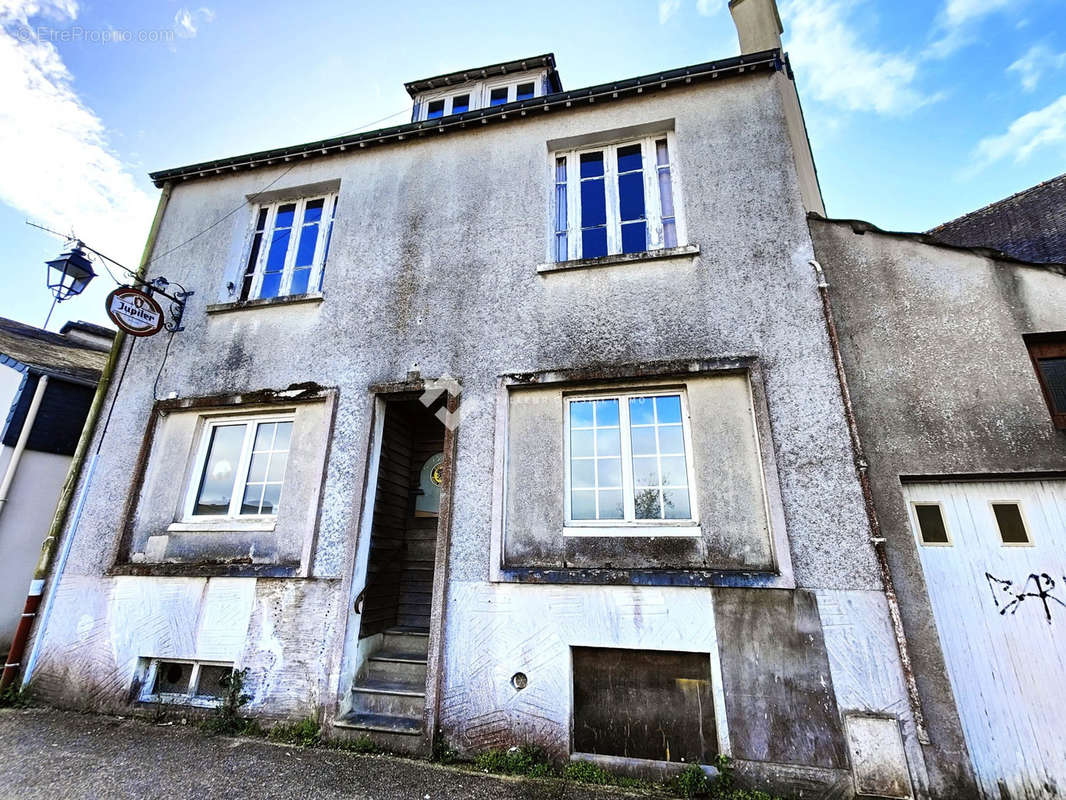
(394, 698)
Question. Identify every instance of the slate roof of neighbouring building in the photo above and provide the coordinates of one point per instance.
(50, 353)
(1029, 225)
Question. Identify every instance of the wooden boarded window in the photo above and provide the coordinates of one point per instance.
(644, 704)
(1048, 354)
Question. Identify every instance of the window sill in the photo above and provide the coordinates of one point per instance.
(223, 525)
(688, 251)
(688, 531)
(285, 300)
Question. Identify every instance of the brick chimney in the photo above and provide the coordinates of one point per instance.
(758, 24)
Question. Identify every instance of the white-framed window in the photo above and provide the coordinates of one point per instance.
(184, 681)
(617, 198)
(240, 467)
(288, 247)
(628, 461)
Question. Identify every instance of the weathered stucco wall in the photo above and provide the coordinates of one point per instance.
(433, 263)
(942, 383)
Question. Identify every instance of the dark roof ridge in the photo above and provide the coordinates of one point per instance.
(995, 203)
(499, 68)
(614, 90)
(861, 226)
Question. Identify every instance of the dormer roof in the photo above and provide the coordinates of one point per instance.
(546, 60)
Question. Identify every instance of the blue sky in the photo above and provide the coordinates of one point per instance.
(918, 110)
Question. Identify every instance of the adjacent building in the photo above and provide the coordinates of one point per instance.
(522, 422)
(47, 381)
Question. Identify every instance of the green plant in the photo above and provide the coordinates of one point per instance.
(227, 719)
(362, 744)
(304, 733)
(443, 753)
(692, 782)
(15, 695)
(528, 760)
(587, 772)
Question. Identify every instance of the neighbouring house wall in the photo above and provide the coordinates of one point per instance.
(942, 383)
(24, 523)
(433, 263)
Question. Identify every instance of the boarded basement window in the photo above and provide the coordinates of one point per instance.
(186, 682)
(644, 704)
(1011, 525)
(931, 523)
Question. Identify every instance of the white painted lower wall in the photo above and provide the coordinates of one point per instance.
(24, 523)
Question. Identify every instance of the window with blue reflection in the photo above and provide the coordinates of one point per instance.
(631, 199)
(593, 206)
(460, 103)
(279, 248)
(435, 109)
(524, 91)
(498, 97)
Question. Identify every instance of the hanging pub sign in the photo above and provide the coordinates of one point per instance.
(134, 311)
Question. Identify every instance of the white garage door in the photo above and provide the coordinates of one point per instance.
(994, 555)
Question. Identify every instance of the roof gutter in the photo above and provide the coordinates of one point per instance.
(66, 496)
(768, 60)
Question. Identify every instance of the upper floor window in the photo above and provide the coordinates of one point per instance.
(498, 96)
(288, 249)
(628, 459)
(614, 199)
(460, 104)
(240, 467)
(1048, 354)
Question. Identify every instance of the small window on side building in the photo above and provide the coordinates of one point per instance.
(524, 91)
(498, 97)
(460, 104)
(1010, 522)
(931, 526)
(1048, 354)
(435, 109)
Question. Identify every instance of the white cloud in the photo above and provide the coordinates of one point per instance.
(55, 163)
(187, 22)
(1031, 66)
(708, 8)
(840, 68)
(956, 21)
(1044, 129)
(667, 8)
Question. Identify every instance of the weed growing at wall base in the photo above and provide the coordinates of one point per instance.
(227, 719)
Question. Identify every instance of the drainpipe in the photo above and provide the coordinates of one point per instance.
(20, 445)
(862, 467)
(66, 495)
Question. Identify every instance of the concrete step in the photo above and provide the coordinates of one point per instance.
(421, 549)
(382, 723)
(408, 668)
(389, 697)
(406, 640)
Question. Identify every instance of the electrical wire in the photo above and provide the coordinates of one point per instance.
(253, 196)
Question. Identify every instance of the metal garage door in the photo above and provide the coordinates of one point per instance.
(994, 555)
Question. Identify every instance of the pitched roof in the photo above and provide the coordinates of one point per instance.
(26, 347)
(1029, 225)
(615, 91)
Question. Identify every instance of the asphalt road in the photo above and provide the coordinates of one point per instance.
(52, 754)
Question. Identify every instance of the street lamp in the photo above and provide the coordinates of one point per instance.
(69, 274)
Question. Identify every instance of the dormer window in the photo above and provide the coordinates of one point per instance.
(484, 87)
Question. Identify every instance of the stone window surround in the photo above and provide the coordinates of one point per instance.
(294, 396)
(631, 375)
